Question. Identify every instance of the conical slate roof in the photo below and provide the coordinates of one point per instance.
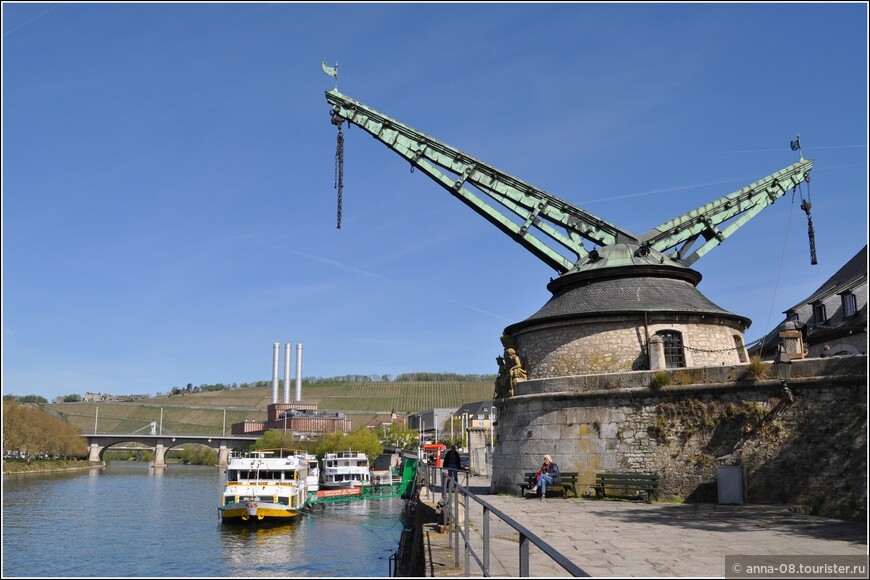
(632, 289)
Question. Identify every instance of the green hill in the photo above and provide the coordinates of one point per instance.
(205, 413)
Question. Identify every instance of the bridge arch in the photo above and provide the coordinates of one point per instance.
(99, 443)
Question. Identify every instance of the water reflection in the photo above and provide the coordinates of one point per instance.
(130, 520)
(343, 539)
(262, 550)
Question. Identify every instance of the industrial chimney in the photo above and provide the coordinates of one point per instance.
(299, 373)
(276, 353)
(287, 354)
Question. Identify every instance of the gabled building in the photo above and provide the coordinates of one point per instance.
(833, 319)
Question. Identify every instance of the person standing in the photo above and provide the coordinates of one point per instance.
(452, 462)
(547, 475)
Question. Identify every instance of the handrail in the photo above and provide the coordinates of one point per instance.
(526, 537)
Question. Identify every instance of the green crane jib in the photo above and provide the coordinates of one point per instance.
(550, 228)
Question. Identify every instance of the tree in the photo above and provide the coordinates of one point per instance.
(274, 439)
(401, 435)
(31, 431)
(361, 439)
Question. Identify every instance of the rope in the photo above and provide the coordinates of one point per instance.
(778, 276)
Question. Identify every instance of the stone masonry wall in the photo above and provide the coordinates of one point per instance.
(616, 344)
(812, 451)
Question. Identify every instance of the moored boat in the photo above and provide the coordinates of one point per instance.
(345, 469)
(313, 473)
(265, 486)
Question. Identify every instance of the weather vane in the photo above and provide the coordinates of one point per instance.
(331, 71)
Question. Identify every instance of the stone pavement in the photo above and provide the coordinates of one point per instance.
(636, 539)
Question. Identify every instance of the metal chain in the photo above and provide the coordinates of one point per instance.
(339, 171)
(807, 205)
(712, 350)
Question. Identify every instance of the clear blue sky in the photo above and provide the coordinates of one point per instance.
(168, 173)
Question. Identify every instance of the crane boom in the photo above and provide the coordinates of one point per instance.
(705, 221)
(550, 228)
(532, 217)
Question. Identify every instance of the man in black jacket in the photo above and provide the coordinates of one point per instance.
(452, 462)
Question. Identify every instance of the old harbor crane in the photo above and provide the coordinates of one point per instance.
(636, 291)
(551, 228)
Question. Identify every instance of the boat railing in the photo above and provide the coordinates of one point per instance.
(459, 500)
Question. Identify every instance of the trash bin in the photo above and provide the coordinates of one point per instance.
(729, 482)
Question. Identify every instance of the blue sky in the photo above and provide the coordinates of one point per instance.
(168, 172)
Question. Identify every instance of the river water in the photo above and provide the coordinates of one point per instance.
(130, 520)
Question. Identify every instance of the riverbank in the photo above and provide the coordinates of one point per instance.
(15, 466)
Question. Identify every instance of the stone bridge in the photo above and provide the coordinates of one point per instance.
(99, 443)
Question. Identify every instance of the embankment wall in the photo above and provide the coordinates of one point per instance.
(684, 423)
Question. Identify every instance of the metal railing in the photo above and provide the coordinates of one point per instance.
(451, 492)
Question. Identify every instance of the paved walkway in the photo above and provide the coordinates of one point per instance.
(636, 539)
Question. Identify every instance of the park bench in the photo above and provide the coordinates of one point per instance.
(567, 482)
(627, 482)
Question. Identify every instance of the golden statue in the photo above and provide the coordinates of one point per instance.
(510, 370)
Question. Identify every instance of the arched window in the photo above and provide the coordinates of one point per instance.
(673, 342)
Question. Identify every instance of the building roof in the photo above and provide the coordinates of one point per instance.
(476, 408)
(649, 291)
(846, 278)
(851, 275)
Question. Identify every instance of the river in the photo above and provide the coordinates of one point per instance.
(130, 520)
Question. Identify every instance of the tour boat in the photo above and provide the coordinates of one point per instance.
(268, 485)
(345, 469)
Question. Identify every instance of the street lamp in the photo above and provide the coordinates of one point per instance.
(782, 363)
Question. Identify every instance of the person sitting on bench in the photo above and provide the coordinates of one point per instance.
(548, 474)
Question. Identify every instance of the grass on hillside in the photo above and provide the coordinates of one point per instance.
(203, 413)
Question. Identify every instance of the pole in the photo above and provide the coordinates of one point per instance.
(491, 431)
(161, 420)
(96, 418)
(436, 427)
(451, 428)
(224, 431)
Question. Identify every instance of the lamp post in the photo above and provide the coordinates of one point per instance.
(782, 363)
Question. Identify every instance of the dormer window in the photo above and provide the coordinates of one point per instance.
(792, 316)
(850, 306)
(819, 315)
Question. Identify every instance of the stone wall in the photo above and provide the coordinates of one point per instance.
(684, 424)
(614, 344)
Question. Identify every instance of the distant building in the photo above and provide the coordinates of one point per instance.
(97, 397)
(832, 320)
(302, 420)
(430, 423)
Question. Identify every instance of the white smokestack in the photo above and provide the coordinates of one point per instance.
(287, 354)
(276, 354)
(299, 373)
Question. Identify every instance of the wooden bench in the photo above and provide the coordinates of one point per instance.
(567, 482)
(628, 482)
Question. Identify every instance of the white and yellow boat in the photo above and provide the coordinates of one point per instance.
(265, 486)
